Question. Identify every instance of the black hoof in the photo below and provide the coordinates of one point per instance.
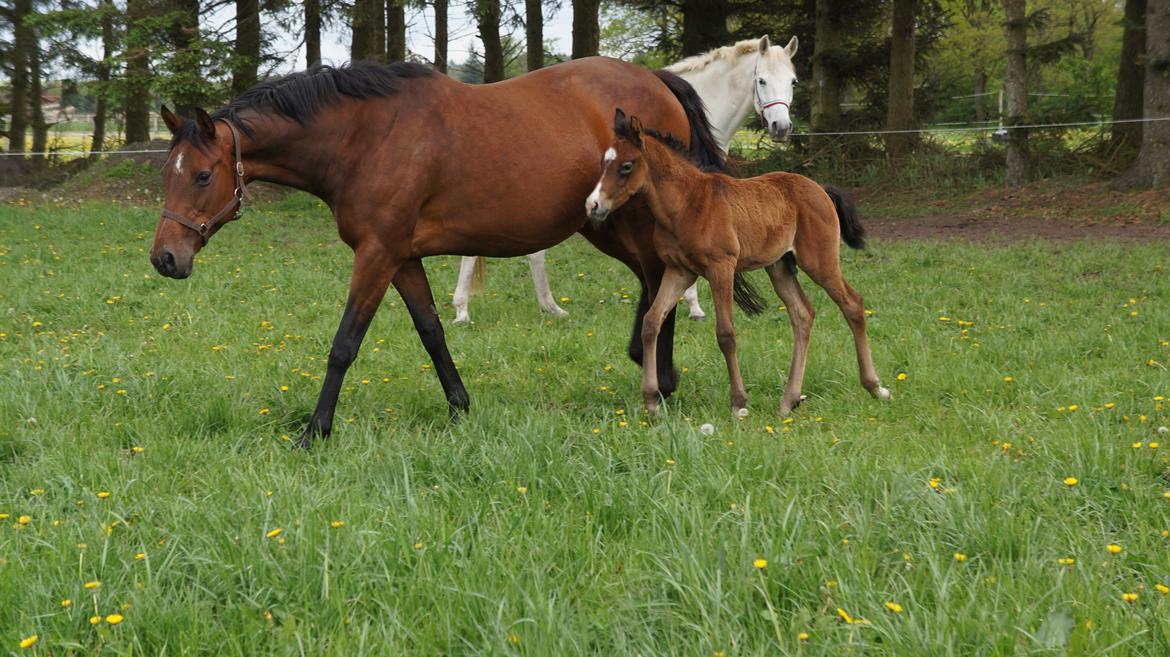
(311, 434)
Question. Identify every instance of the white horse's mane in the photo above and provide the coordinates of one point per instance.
(700, 62)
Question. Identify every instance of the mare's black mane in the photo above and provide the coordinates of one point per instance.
(301, 96)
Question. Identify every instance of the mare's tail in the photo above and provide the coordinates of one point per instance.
(708, 156)
(851, 229)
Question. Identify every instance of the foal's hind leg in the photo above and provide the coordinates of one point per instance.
(722, 279)
(800, 316)
(827, 273)
(544, 295)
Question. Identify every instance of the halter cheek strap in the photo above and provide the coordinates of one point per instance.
(234, 208)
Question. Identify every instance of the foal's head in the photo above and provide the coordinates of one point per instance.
(203, 190)
(624, 170)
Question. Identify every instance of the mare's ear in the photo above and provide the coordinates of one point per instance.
(620, 123)
(636, 130)
(765, 43)
(790, 49)
(206, 125)
(173, 121)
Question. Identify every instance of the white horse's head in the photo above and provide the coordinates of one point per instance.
(774, 76)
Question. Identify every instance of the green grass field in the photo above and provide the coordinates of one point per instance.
(143, 445)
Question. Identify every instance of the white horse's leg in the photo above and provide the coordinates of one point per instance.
(540, 281)
(463, 289)
(691, 296)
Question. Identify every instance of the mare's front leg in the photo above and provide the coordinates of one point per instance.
(722, 279)
(674, 281)
(544, 295)
(411, 283)
(373, 268)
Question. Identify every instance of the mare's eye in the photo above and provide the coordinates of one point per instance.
(763, 82)
(626, 168)
(202, 178)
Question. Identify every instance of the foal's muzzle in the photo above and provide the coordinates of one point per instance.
(597, 214)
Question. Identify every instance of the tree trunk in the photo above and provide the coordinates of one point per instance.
(900, 103)
(103, 78)
(36, 109)
(1016, 88)
(1152, 168)
(137, 78)
(246, 59)
(441, 36)
(487, 18)
(361, 44)
(21, 47)
(395, 30)
(704, 25)
(586, 32)
(980, 98)
(185, 62)
(826, 91)
(1127, 102)
(534, 33)
(312, 33)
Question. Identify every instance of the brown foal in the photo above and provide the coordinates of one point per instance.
(712, 225)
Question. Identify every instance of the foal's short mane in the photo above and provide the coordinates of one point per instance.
(301, 96)
(674, 144)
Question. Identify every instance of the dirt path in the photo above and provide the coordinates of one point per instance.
(1001, 230)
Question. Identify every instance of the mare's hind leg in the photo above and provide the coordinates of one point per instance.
(800, 316)
(826, 272)
(674, 281)
(722, 278)
(544, 295)
(463, 289)
(411, 283)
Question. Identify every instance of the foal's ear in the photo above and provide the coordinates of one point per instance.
(765, 43)
(173, 121)
(206, 125)
(790, 49)
(636, 130)
(620, 122)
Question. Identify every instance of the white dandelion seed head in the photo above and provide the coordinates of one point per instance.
(707, 429)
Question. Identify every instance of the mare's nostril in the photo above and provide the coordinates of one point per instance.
(168, 261)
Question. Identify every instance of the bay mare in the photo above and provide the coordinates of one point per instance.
(712, 225)
(413, 164)
(750, 75)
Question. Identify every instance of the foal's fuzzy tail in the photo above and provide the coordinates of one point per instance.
(746, 296)
(851, 229)
(478, 274)
(704, 149)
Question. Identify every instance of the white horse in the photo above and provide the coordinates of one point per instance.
(732, 81)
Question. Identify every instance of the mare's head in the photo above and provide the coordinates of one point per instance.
(624, 170)
(203, 190)
(773, 78)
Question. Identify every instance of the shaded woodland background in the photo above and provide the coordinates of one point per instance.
(102, 67)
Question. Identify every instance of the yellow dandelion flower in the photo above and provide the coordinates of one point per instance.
(802, 637)
(1129, 597)
(514, 638)
(37, 491)
(901, 376)
(1152, 445)
(23, 520)
(137, 450)
(670, 461)
(1073, 407)
(960, 557)
(66, 603)
(760, 564)
(337, 524)
(103, 494)
(92, 584)
(94, 620)
(114, 619)
(418, 546)
(1008, 379)
(1066, 561)
(4, 516)
(264, 411)
(273, 533)
(1136, 445)
(29, 641)
(523, 490)
(1113, 548)
(1162, 588)
(1070, 481)
(139, 556)
(894, 607)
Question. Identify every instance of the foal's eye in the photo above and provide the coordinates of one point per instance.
(626, 168)
(202, 178)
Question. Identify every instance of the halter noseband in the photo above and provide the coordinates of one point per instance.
(759, 98)
(234, 207)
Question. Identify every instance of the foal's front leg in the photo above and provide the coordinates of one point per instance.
(674, 281)
(722, 279)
